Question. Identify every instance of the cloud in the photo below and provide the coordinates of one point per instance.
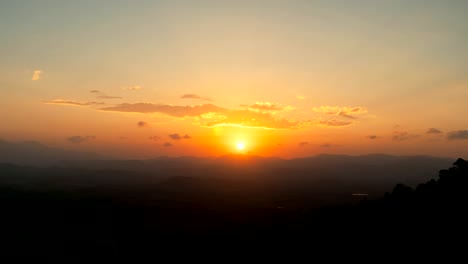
(334, 123)
(457, 135)
(142, 124)
(303, 144)
(300, 97)
(70, 102)
(348, 112)
(372, 137)
(132, 88)
(155, 138)
(326, 145)
(434, 131)
(36, 75)
(172, 110)
(267, 106)
(102, 95)
(167, 144)
(80, 139)
(176, 136)
(194, 96)
(403, 135)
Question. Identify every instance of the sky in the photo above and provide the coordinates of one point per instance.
(289, 79)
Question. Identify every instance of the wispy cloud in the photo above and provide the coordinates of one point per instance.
(167, 144)
(142, 124)
(154, 138)
(300, 97)
(347, 112)
(132, 88)
(194, 96)
(457, 135)
(303, 144)
(372, 137)
(172, 110)
(334, 123)
(108, 97)
(102, 95)
(434, 131)
(80, 139)
(326, 145)
(267, 107)
(36, 75)
(403, 136)
(70, 102)
(176, 136)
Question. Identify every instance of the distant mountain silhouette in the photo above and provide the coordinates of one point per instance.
(373, 174)
(35, 154)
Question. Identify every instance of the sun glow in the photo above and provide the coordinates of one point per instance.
(240, 145)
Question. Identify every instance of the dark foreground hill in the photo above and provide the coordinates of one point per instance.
(106, 207)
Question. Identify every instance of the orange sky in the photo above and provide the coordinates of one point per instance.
(287, 79)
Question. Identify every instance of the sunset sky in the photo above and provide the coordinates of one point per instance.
(141, 79)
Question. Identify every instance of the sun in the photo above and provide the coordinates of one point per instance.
(240, 145)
